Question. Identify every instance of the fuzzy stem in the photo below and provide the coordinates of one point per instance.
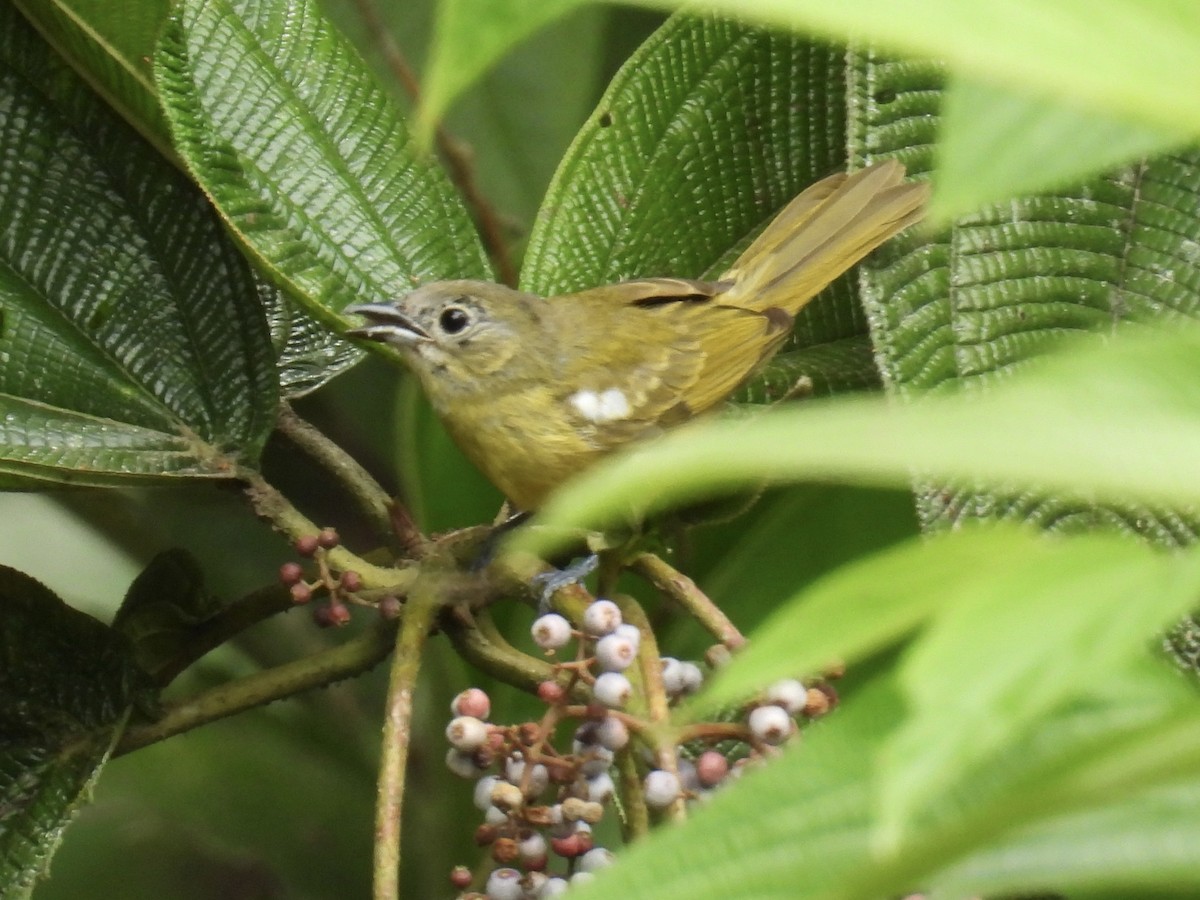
(684, 591)
(454, 152)
(361, 486)
(273, 506)
(423, 603)
(316, 670)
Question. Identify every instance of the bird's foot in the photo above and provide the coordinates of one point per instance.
(556, 579)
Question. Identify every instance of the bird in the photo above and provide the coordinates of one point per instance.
(535, 390)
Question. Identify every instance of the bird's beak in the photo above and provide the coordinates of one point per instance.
(385, 322)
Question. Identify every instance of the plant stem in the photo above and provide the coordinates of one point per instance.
(364, 490)
(424, 601)
(273, 506)
(479, 643)
(454, 152)
(316, 670)
(683, 591)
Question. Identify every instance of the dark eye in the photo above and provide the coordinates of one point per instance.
(453, 320)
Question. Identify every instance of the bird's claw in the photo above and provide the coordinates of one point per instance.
(556, 579)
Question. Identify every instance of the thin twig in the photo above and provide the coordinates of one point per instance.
(316, 670)
(273, 506)
(684, 591)
(655, 693)
(476, 644)
(361, 486)
(423, 603)
(453, 151)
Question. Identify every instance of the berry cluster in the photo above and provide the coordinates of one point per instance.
(540, 802)
(340, 590)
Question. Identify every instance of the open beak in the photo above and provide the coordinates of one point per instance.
(386, 323)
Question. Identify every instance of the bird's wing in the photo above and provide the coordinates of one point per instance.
(653, 353)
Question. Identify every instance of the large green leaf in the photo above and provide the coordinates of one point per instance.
(1089, 744)
(1116, 422)
(67, 685)
(969, 303)
(133, 341)
(470, 37)
(708, 129)
(110, 45)
(306, 157)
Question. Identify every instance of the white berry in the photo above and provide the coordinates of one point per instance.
(466, 733)
(770, 724)
(789, 693)
(612, 733)
(612, 689)
(483, 792)
(601, 617)
(600, 788)
(596, 858)
(661, 788)
(554, 887)
(551, 631)
(615, 653)
(505, 884)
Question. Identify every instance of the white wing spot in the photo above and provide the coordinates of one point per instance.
(607, 406)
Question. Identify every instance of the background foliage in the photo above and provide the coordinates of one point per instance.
(1022, 738)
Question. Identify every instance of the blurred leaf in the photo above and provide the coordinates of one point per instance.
(1136, 59)
(67, 684)
(132, 340)
(1042, 430)
(1016, 641)
(995, 143)
(861, 608)
(1114, 748)
(306, 157)
(688, 155)
(110, 45)
(788, 830)
(469, 37)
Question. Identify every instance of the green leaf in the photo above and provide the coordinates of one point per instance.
(996, 143)
(162, 608)
(132, 340)
(1042, 430)
(110, 45)
(469, 37)
(687, 156)
(67, 684)
(970, 303)
(862, 608)
(790, 829)
(1136, 59)
(1016, 646)
(306, 157)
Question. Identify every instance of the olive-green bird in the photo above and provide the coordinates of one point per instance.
(535, 389)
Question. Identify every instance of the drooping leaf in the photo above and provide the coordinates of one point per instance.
(705, 133)
(163, 605)
(994, 143)
(306, 157)
(110, 45)
(969, 303)
(67, 684)
(132, 342)
(1042, 431)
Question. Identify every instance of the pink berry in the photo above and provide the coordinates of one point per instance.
(350, 581)
(472, 702)
(290, 573)
(711, 768)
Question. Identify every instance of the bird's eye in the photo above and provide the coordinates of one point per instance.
(453, 320)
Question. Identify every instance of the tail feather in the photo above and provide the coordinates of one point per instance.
(822, 233)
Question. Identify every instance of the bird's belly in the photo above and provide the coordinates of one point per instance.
(525, 456)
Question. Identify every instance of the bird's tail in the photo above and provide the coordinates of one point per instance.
(822, 233)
